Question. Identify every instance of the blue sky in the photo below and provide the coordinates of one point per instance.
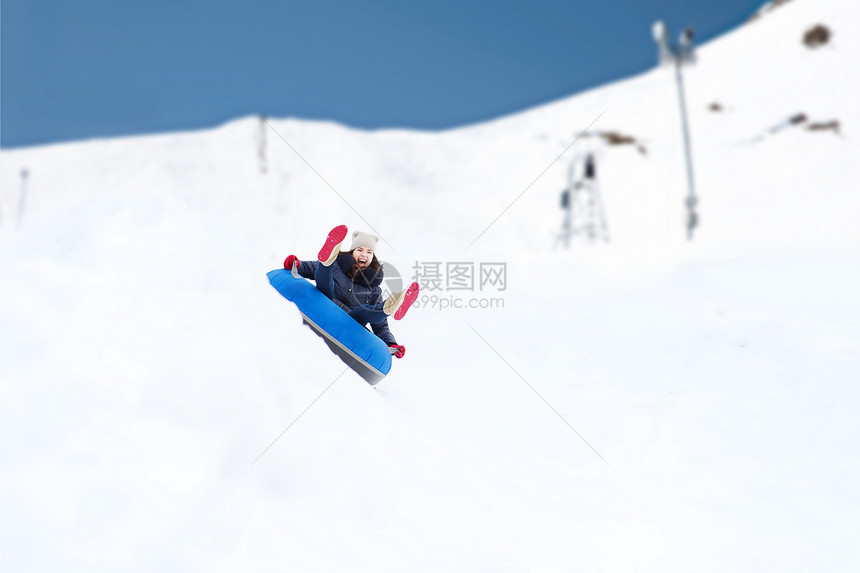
(93, 68)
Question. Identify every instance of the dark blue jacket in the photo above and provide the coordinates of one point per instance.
(349, 293)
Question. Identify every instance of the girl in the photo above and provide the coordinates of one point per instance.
(351, 280)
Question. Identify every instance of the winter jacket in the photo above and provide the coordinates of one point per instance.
(349, 293)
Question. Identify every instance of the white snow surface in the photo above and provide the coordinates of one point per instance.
(652, 404)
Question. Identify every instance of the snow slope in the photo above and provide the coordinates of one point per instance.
(646, 405)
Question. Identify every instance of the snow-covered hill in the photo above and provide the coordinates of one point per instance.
(650, 404)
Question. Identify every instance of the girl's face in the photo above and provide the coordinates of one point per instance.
(363, 256)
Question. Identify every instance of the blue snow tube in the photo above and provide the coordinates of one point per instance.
(337, 326)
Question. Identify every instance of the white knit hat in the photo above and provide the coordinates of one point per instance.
(366, 240)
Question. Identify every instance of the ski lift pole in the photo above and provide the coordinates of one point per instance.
(692, 200)
(22, 199)
(678, 55)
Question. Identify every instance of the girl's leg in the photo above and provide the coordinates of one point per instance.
(397, 305)
(324, 277)
(368, 313)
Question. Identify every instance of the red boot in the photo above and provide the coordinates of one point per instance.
(398, 304)
(331, 248)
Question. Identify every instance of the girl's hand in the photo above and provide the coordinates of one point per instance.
(288, 262)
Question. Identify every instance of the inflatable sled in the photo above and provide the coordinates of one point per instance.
(357, 346)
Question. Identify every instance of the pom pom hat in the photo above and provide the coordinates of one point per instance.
(366, 240)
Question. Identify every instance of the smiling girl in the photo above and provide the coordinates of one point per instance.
(352, 280)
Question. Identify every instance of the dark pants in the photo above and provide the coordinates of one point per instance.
(364, 314)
